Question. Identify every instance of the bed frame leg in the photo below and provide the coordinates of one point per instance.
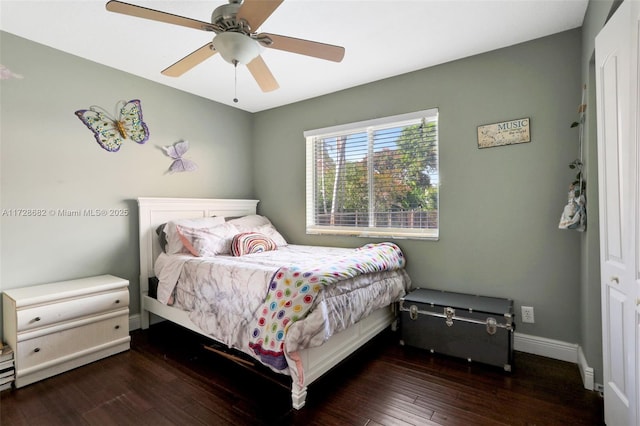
(298, 396)
(144, 319)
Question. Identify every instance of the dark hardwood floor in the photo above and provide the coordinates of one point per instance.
(167, 378)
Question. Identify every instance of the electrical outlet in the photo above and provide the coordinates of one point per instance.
(527, 314)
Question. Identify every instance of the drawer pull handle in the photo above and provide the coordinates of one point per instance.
(615, 280)
(36, 319)
(117, 327)
(117, 300)
(36, 350)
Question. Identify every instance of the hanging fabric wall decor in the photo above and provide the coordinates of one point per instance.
(179, 164)
(574, 214)
(111, 131)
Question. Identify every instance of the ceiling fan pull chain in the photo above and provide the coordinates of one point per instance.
(235, 82)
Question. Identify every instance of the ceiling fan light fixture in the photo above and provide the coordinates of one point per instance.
(236, 47)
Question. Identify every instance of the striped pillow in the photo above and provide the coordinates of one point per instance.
(251, 242)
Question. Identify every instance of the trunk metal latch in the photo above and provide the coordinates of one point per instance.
(413, 312)
(449, 313)
(492, 326)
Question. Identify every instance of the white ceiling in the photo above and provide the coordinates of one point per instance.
(382, 38)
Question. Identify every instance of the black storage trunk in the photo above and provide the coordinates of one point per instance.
(476, 328)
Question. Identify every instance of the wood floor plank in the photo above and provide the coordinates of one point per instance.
(168, 378)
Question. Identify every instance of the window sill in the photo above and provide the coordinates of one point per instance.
(392, 233)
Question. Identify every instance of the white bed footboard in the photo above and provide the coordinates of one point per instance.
(319, 360)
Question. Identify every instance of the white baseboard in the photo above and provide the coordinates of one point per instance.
(542, 346)
(555, 349)
(134, 322)
(585, 371)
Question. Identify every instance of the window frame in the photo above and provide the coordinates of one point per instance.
(431, 114)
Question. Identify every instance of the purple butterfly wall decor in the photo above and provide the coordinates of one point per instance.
(111, 131)
(179, 164)
(6, 73)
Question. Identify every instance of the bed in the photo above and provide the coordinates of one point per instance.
(309, 346)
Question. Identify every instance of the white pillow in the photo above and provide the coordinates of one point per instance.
(271, 232)
(250, 222)
(174, 244)
(260, 224)
(207, 242)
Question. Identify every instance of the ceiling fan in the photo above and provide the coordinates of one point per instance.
(236, 39)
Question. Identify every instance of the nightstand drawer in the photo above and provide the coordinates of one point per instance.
(59, 326)
(49, 348)
(45, 315)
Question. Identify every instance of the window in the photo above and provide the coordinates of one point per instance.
(377, 178)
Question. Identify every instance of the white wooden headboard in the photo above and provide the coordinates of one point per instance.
(152, 212)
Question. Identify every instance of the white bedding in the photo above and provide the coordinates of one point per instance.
(223, 293)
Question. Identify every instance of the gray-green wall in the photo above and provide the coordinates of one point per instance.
(50, 160)
(499, 207)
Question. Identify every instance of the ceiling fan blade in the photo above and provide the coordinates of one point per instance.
(259, 70)
(156, 15)
(191, 60)
(306, 47)
(255, 12)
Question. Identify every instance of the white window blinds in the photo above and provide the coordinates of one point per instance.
(375, 178)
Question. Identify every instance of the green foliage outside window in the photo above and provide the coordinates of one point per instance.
(396, 165)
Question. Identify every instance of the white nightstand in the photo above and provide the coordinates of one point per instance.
(55, 327)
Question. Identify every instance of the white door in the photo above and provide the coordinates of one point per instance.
(634, 135)
(618, 188)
